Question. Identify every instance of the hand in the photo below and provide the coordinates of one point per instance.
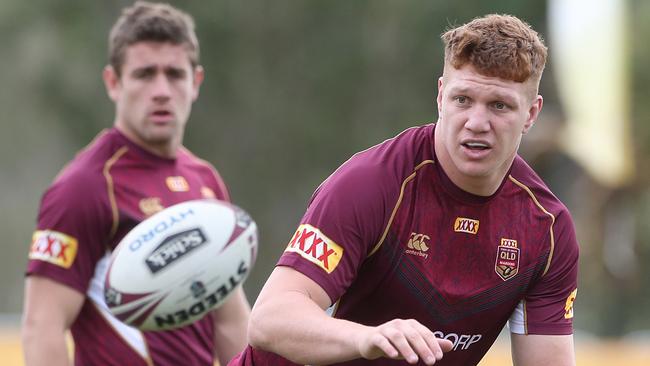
(402, 339)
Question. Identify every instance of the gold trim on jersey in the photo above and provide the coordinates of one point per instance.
(532, 196)
(111, 189)
(398, 203)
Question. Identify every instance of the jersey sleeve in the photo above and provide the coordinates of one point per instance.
(342, 224)
(72, 233)
(548, 306)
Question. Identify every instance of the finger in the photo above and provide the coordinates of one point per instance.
(424, 349)
(385, 347)
(398, 339)
(445, 344)
(437, 346)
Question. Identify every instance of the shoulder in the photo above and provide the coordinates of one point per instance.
(205, 170)
(83, 179)
(540, 198)
(525, 179)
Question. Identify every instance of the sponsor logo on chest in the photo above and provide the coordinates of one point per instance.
(177, 184)
(150, 205)
(465, 225)
(311, 244)
(418, 245)
(207, 192)
(461, 342)
(507, 261)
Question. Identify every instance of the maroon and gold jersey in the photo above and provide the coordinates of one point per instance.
(111, 186)
(388, 235)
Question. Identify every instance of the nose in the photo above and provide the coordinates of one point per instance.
(478, 120)
(161, 88)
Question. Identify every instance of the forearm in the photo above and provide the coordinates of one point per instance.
(230, 326)
(540, 350)
(43, 347)
(296, 328)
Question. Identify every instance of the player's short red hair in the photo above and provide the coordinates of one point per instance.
(498, 46)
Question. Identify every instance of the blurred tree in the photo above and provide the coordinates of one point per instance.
(292, 89)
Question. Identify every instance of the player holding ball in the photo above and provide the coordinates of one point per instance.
(127, 173)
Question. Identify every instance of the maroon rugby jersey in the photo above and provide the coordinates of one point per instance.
(104, 192)
(388, 235)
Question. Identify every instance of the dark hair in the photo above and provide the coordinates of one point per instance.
(497, 45)
(145, 21)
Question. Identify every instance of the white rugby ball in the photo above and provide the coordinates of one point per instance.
(175, 266)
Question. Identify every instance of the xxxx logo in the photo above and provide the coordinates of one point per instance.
(177, 184)
(465, 225)
(53, 247)
(317, 248)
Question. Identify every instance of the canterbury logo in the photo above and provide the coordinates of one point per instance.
(418, 242)
(418, 245)
(464, 225)
(317, 248)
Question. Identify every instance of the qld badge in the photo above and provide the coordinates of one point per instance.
(507, 263)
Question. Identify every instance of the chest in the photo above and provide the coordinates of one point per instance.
(463, 251)
(138, 191)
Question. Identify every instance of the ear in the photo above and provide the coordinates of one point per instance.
(533, 113)
(111, 82)
(197, 80)
(439, 98)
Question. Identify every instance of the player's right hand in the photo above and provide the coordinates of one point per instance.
(402, 339)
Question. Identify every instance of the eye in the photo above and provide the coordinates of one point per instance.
(143, 73)
(175, 73)
(500, 105)
(461, 99)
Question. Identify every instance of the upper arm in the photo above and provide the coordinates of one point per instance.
(542, 350)
(284, 280)
(288, 296)
(50, 304)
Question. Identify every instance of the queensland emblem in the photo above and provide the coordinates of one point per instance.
(507, 262)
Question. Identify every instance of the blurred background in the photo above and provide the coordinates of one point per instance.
(294, 87)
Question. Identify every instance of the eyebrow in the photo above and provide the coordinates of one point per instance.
(497, 95)
(150, 68)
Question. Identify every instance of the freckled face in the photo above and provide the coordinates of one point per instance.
(481, 121)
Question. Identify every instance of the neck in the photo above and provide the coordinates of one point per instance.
(480, 185)
(164, 149)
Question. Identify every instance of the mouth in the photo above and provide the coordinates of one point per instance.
(476, 145)
(161, 116)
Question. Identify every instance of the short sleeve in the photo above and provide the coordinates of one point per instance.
(548, 307)
(342, 224)
(72, 233)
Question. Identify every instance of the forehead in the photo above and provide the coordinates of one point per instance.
(466, 80)
(162, 54)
